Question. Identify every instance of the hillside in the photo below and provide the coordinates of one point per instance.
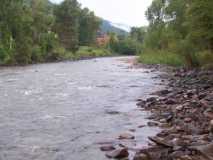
(108, 26)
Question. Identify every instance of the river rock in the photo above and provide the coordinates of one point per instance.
(209, 113)
(126, 136)
(152, 124)
(170, 102)
(141, 126)
(132, 130)
(160, 141)
(185, 157)
(179, 108)
(141, 157)
(151, 99)
(206, 151)
(112, 112)
(211, 126)
(162, 92)
(118, 153)
(187, 120)
(163, 120)
(107, 148)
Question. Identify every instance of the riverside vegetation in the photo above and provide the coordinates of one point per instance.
(180, 32)
(34, 31)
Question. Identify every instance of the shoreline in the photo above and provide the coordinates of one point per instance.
(58, 61)
(184, 112)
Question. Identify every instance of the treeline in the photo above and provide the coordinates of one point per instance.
(37, 31)
(180, 31)
(129, 44)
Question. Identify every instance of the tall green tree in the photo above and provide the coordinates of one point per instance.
(88, 27)
(67, 23)
(138, 33)
(15, 27)
(200, 22)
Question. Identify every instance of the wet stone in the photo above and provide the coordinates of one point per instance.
(118, 153)
(170, 101)
(126, 136)
(107, 148)
(141, 157)
(179, 108)
(141, 126)
(187, 120)
(211, 126)
(152, 124)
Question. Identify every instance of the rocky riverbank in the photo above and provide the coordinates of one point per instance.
(184, 111)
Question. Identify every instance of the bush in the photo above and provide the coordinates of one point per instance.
(37, 55)
(58, 53)
(126, 46)
(87, 52)
(161, 57)
(49, 46)
(204, 58)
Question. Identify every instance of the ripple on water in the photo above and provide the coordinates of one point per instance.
(85, 88)
(11, 80)
(71, 106)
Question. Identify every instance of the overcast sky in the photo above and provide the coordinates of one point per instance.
(130, 12)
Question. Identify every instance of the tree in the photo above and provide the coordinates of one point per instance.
(138, 33)
(200, 22)
(67, 23)
(15, 26)
(88, 27)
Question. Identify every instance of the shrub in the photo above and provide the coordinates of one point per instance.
(37, 55)
(204, 58)
(126, 46)
(87, 52)
(161, 57)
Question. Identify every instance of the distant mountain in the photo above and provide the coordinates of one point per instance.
(121, 26)
(108, 26)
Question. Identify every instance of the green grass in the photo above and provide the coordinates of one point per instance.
(83, 53)
(161, 57)
(89, 52)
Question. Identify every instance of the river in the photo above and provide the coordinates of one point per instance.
(61, 111)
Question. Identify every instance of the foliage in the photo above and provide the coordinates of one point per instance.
(138, 34)
(182, 27)
(88, 52)
(34, 31)
(67, 23)
(89, 24)
(161, 57)
(124, 45)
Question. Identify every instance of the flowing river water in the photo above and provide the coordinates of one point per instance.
(61, 111)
